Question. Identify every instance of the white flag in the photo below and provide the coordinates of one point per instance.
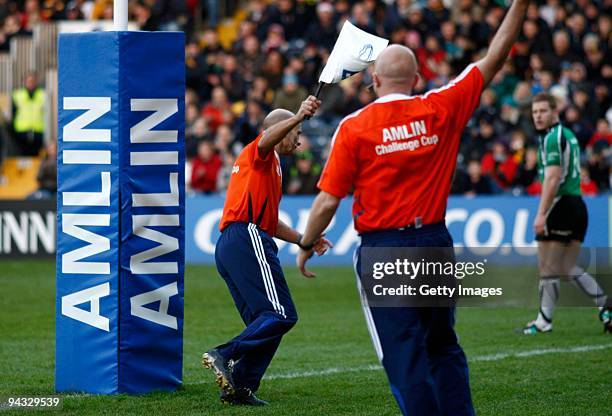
(353, 52)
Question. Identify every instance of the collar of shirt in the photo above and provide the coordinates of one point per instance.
(392, 97)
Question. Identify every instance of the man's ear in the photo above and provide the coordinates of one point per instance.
(417, 77)
(376, 80)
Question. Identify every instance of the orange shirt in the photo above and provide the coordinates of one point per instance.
(399, 154)
(254, 190)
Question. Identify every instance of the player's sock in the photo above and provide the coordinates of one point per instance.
(549, 293)
(589, 286)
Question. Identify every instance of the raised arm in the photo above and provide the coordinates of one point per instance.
(274, 134)
(503, 40)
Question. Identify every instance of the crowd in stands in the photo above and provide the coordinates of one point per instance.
(565, 48)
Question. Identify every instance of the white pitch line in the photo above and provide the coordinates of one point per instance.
(545, 351)
(492, 357)
(324, 372)
(376, 367)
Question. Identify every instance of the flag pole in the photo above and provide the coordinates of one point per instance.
(120, 15)
(319, 88)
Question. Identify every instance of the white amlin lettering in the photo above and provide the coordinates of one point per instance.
(79, 139)
(404, 132)
(145, 138)
(77, 130)
(142, 133)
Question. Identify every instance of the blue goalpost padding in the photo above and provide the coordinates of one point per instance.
(121, 212)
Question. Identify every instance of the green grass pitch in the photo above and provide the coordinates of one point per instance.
(326, 364)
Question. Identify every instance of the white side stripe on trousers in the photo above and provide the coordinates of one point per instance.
(269, 271)
(264, 267)
(261, 268)
(367, 312)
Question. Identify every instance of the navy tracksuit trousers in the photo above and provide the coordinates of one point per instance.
(418, 347)
(247, 260)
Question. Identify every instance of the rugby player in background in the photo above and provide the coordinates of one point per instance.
(561, 222)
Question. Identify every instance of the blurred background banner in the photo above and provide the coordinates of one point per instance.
(27, 228)
(502, 224)
(120, 252)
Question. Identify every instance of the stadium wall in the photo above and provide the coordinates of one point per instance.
(489, 222)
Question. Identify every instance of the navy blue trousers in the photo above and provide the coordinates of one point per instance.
(418, 347)
(247, 260)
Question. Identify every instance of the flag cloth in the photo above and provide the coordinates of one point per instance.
(353, 52)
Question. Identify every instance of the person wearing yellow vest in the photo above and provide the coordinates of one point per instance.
(29, 117)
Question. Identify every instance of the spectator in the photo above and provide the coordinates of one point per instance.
(361, 18)
(488, 106)
(499, 165)
(29, 116)
(225, 140)
(322, 32)
(291, 95)
(396, 15)
(272, 70)
(10, 29)
(526, 179)
(263, 15)
(145, 18)
(598, 165)
(504, 83)
(192, 113)
(561, 53)
(30, 16)
(587, 186)
(205, 168)
(225, 172)
(250, 58)
(481, 138)
(261, 92)
(196, 134)
(47, 174)
(473, 182)
(580, 126)
(603, 99)
(304, 175)
(232, 80)
(287, 19)
(518, 144)
(603, 133)
(431, 57)
(304, 14)
(416, 20)
(218, 111)
(248, 125)
(275, 39)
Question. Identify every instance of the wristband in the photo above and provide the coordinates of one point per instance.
(305, 247)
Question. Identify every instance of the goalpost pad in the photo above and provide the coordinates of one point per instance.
(121, 208)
